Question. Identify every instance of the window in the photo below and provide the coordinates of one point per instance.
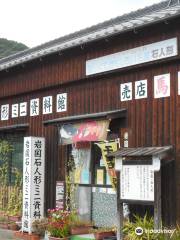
(15, 158)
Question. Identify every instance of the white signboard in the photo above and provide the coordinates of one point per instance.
(143, 54)
(141, 89)
(5, 112)
(126, 91)
(61, 102)
(162, 86)
(34, 107)
(33, 181)
(47, 105)
(137, 182)
(60, 194)
(23, 109)
(15, 110)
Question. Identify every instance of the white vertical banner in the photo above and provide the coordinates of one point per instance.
(33, 181)
(61, 102)
(126, 91)
(141, 89)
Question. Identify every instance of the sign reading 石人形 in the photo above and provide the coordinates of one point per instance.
(137, 182)
(130, 57)
(33, 181)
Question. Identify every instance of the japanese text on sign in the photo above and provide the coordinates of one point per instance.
(130, 57)
(107, 148)
(162, 86)
(33, 181)
(137, 182)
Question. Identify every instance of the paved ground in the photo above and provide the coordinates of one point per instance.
(6, 234)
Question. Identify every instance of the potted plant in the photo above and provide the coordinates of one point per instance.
(13, 226)
(26, 236)
(4, 223)
(39, 227)
(58, 224)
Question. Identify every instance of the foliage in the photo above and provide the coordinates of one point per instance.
(147, 224)
(71, 187)
(15, 201)
(3, 219)
(8, 47)
(176, 235)
(71, 190)
(58, 223)
(144, 223)
(40, 226)
(5, 149)
(13, 205)
(75, 220)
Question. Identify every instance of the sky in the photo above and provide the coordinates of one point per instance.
(34, 22)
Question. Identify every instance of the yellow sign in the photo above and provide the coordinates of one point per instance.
(77, 175)
(100, 176)
(109, 163)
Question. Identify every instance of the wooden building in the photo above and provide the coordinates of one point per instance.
(126, 69)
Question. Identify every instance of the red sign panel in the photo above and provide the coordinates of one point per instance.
(84, 132)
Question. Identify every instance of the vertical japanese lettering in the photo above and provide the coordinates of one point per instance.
(141, 89)
(34, 107)
(33, 181)
(162, 86)
(5, 112)
(61, 102)
(23, 109)
(15, 110)
(126, 91)
(47, 105)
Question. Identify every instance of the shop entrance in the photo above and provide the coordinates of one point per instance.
(91, 193)
(88, 177)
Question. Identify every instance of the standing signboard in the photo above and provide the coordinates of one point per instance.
(137, 182)
(60, 193)
(33, 181)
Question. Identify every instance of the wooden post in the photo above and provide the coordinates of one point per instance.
(157, 200)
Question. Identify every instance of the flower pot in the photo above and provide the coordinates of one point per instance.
(4, 225)
(55, 238)
(80, 230)
(101, 235)
(14, 218)
(13, 227)
(26, 236)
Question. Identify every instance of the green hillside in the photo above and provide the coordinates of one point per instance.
(9, 47)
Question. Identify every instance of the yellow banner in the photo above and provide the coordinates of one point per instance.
(106, 148)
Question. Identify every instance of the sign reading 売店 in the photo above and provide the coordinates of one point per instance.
(33, 181)
(147, 53)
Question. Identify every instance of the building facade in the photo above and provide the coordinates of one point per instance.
(126, 70)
